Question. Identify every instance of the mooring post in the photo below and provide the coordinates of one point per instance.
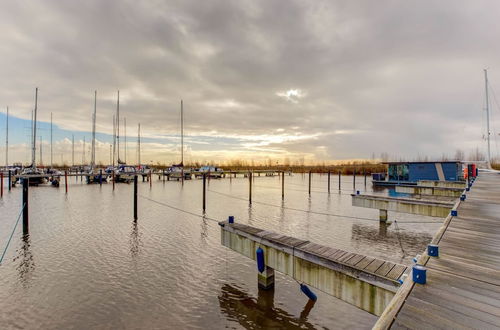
(364, 173)
(339, 180)
(250, 187)
(204, 191)
(1, 184)
(283, 185)
(66, 180)
(113, 178)
(309, 182)
(150, 180)
(100, 177)
(25, 206)
(10, 180)
(163, 175)
(135, 197)
(354, 180)
(383, 216)
(328, 181)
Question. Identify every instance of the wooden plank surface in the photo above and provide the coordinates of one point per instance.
(463, 284)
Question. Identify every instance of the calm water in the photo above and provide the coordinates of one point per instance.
(86, 265)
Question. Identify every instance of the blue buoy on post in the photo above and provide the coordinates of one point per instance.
(433, 250)
(357, 192)
(311, 295)
(261, 264)
(463, 197)
(419, 274)
(454, 213)
(231, 219)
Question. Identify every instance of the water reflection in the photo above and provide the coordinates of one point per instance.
(260, 313)
(26, 264)
(135, 240)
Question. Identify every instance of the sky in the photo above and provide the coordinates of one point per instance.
(264, 81)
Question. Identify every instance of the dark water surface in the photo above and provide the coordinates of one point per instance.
(86, 265)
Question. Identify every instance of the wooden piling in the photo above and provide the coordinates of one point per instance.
(283, 185)
(204, 191)
(100, 177)
(25, 204)
(309, 182)
(250, 187)
(1, 184)
(66, 180)
(163, 175)
(328, 181)
(364, 173)
(113, 178)
(354, 180)
(135, 197)
(150, 180)
(10, 180)
(339, 179)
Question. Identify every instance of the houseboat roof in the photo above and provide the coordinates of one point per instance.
(423, 162)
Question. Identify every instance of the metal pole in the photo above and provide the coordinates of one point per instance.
(10, 180)
(328, 181)
(204, 191)
(66, 180)
(250, 187)
(354, 180)
(364, 173)
(310, 182)
(135, 197)
(150, 180)
(283, 185)
(1, 184)
(100, 177)
(487, 114)
(113, 178)
(25, 203)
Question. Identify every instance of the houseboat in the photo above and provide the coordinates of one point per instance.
(412, 172)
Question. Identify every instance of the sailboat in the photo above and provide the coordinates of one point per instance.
(123, 172)
(177, 171)
(32, 170)
(94, 176)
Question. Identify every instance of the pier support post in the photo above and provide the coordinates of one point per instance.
(383, 215)
(66, 180)
(309, 182)
(26, 208)
(283, 185)
(250, 187)
(266, 279)
(204, 192)
(135, 197)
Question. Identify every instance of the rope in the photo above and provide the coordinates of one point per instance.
(179, 209)
(399, 238)
(11, 234)
(312, 212)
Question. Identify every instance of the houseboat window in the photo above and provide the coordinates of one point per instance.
(398, 172)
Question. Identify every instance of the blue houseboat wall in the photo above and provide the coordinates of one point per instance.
(412, 172)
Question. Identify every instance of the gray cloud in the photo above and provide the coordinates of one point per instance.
(402, 77)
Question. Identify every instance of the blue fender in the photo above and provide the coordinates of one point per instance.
(261, 265)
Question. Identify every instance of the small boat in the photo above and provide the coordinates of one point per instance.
(210, 171)
(55, 177)
(176, 172)
(125, 173)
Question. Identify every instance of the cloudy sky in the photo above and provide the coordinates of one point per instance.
(313, 80)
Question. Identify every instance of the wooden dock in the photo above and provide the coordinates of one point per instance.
(463, 284)
(366, 282)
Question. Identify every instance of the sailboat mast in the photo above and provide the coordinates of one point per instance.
(41, 155)
(83, 153)
(182, 134)
(125, 133)
(73, 150)
(92, 162)
(51, 139)
(139, 145)
(118, 126)
(114, 139)
(487, 114)
(7, 140)
(33, 155)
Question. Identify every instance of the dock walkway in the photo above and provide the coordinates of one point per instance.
(463, 283)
